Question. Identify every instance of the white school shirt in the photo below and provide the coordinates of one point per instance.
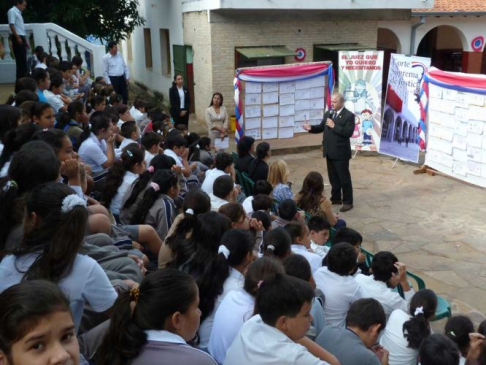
(216, 202)
(378, 290)
(114, 66)
(86, 282)
(259, 343)
(340, 292)
(53, 100)
(172, 154)
(116, 202)
(41, 65)
(319, 250)
(247, 205)
(234, 281)
(315, 261)
(123, 144)
(15, 18)
(237, 307)
(93, 152)
(211, 175)
(180, 90)
(137, 115)
(394, 341)
(148, 158)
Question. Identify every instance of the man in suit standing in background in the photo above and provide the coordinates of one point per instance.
(338, 127)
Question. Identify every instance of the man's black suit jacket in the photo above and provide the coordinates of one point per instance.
(335, 141)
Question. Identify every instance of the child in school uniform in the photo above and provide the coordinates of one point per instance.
(37, 325)
(319, 232)
(282, 317)
(299, 234)
(153, 323)
(237, 307)
(131, 134)
(56, 217)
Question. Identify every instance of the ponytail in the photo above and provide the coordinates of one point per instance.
(162, 181)
(159, 162)
(98, 122)
(132, 154)
(235, 247)
(159, 296)
(14, 139)
(124, 339)
(35, 163)
(59, 234)
(276, 243)
(65, 118)
(422, 307)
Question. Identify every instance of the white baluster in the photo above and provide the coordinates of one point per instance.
(72, 47)
(64, 54)
(52, 44)
(82, 53)
(6, 47)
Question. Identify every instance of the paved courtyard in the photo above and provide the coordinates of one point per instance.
(434, 224)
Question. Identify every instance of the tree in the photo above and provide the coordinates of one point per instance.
(104, 19)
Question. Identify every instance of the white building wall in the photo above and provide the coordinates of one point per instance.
(159, 14)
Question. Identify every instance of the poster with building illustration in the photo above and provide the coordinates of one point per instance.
(456, 117)
(401, 116)
(360, 81)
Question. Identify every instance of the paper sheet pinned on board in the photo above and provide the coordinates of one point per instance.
(286, 110)
(253, 111)
(270, 133)
(287, 99)
(286, 121)
(302, 84)
(318, 81)
(270, 86)
(286, 132)
(270, 110)
(255, 133)
(317, 104)
(287, 87)
(253, 123)
(253, 99)
(270, 122)
(221, 144)
(302, 105)
(302, 94)
(270, 97)
(302, 115)
(253, 87)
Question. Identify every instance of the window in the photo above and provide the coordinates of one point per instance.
(261, 56)
(129, 48)
(148, 47)
(165, 51)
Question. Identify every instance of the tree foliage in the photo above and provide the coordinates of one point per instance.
(104, 19)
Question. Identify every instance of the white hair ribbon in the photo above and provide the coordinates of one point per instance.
(190, 211)
(418, 310)
(70, 202)
(155, 186)
(271, 247)
(224, 250)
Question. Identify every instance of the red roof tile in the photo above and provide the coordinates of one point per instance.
(451, 6)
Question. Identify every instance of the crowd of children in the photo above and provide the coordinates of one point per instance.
(126, 241)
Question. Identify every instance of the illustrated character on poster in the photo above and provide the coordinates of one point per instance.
(357, 122)
(361, 98)
(367, 125)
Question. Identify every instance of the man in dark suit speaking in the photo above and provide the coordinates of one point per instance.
(338, 127)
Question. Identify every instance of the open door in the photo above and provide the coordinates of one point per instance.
(183, 66)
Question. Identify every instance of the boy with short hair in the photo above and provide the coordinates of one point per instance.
(139, 113)
(356, 343)
(319, 232)
(353, 237)
(151, 143)
(131, 133)
(287, 212)
(176, 148)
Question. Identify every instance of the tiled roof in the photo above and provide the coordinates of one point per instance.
(451, 6)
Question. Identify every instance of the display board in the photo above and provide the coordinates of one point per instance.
(456, 117)
(400, 127)
(360, 81)
(275, 101)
